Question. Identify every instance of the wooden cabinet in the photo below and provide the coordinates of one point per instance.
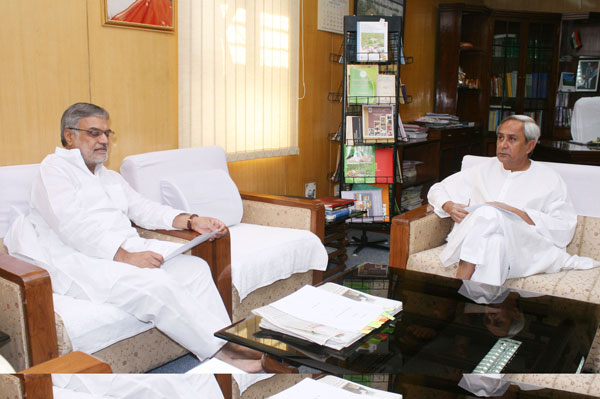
(507, 63)
(454, 145)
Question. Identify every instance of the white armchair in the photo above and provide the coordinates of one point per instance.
(276, 242)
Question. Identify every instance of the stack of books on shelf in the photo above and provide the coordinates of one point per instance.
(538, 115)
(411, 198)
(563, 112)
(434, 120)
(336, 208)
(415, 131)
(497, 113)
(332, 387)
(330, 315)
(504, 84)
(536, 85)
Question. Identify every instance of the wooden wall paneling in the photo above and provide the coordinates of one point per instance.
(44, 69)
(133, 74)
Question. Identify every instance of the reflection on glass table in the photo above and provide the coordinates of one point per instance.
(445, 327)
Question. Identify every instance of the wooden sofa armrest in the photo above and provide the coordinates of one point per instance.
(315, 207)
(216, 253)
(415, 231)
(71, 363)
(38, 307)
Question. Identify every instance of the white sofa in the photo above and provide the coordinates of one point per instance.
(276, 241)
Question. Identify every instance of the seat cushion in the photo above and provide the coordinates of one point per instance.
(91, 327)
(261, 255)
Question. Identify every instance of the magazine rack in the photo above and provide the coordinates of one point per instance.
(370, 127)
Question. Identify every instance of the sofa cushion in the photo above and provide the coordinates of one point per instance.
(204, 192)
(91, 327)
(261, 255)
(145, 171)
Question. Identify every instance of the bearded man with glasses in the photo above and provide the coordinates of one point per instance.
(79, 229)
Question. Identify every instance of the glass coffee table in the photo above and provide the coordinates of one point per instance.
(447, 326)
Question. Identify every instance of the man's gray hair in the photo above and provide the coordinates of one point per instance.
(530, 128)
(75, 113)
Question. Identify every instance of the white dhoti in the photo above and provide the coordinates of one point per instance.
(501, 246)
(179, 297)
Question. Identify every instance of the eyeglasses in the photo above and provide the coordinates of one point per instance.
(94, 133)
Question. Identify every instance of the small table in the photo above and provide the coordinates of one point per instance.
(336, 238)
(442, 331)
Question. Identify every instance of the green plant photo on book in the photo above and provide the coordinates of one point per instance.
(359, 164)
(362, 84)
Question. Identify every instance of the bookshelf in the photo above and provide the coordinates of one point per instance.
(513, 56)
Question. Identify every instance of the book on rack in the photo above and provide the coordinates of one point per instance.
(332, 387)
(338, 214)
(384, 165)
(330, 315)
(411, 198)
(335, 203)
(386, 89)
(369, 200)
(353, 130)
(378, 123)
(403, 95)
(372, 41)
(362, 84)
(359, 164)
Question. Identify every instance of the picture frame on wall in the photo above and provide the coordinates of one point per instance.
(587, 75)
(388, 8)
(141, 14)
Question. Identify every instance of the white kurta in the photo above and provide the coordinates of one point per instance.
(502, 245)
(78, 220)
(134, 386)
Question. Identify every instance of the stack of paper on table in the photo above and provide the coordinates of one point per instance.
(332, 387)
(331, 315)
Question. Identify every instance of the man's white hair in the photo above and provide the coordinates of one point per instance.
(530, 128)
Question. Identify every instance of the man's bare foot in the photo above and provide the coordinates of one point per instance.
(465, 270)
(235, 351)
(248, 365)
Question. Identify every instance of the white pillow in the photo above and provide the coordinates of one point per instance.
(207, 193)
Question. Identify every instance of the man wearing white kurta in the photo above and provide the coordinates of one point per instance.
(513, 217)
(79, 229)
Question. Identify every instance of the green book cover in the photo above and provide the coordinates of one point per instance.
(359, 164)
(362, 84)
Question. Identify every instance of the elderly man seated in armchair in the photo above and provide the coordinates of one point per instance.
(79, 229)
(513, 216)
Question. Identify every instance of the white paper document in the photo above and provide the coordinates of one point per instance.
(198, 240)
(332, 387)
(330, 315)
(322, 307)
